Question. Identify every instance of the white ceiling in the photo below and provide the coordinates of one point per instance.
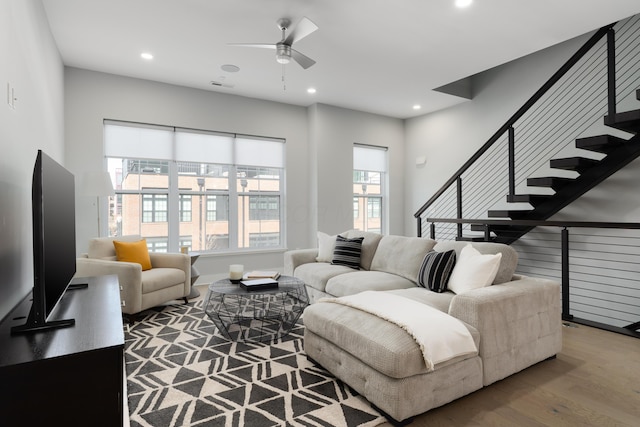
(372, 55)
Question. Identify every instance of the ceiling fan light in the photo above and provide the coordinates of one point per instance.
(283, 59)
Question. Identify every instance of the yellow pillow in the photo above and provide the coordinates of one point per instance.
(133, 252)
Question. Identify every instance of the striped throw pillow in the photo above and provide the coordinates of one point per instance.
(347, 252)
(435, 270)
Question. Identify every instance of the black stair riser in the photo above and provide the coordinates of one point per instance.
(628, 121)
(532, 199)
(577, 164)
(614, 161)
(549, 182)
(600, 144)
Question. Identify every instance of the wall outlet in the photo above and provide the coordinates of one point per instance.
(11, 96)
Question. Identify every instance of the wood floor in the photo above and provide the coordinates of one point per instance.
(594, 381)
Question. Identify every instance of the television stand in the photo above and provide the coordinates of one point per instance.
(42, 372)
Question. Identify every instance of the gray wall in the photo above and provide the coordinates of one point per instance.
(319, 142)
(31, 65)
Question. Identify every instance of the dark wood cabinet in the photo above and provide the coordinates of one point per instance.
(70, 376)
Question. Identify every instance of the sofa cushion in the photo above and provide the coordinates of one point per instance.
(508, 263)
(378, 343)
(316, 274)
(369, 246)
(160, 278)
(473, 270)
(401, 255)
(358, 281)
(347, 252)
(436, 269)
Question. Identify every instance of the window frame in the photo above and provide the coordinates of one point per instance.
(177, 199)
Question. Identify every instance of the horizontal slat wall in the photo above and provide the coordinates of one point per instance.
(604, 270)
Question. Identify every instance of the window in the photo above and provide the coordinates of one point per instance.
(264, 208)
(185, 208)
(206, 190)
(154, 208)
(369, 192)
(217, 208)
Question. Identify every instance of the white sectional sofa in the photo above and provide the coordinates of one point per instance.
(515, 322)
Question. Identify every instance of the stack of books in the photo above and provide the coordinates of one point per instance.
(258, 284)
(262, 274)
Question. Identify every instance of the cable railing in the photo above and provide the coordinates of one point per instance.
(597, 262)
(570, 105)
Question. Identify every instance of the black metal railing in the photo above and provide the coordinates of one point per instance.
(575, 98)
(623, 307)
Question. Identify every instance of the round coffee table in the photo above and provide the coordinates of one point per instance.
(257, 315)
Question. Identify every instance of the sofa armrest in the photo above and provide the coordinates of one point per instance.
(164, 260)
(129, 273)
(519, 323)
(294, 258)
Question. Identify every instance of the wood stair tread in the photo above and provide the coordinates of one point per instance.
(549, 181)
(513, 214)
(532, 199)
(628, 121)
(578, 164)
(600, 143)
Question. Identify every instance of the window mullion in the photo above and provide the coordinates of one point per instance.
(173, 210)
(234, 201)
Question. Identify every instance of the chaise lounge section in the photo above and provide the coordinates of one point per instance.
(515, 322)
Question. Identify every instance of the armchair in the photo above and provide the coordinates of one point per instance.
(168, 279)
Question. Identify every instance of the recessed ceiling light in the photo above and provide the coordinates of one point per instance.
(146, 55)
(311, 90)
(230, 68)
(463, 3)
(417, 107)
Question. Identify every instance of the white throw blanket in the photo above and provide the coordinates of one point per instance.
(441, 337)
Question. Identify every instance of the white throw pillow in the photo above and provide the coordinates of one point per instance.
(473, 270)
(326, 246)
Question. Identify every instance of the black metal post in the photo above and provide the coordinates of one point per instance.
(459, 204)
(565, 274)
(611, 73)
(432, 229)
(487, 233)
(512, 164)
(419, 226)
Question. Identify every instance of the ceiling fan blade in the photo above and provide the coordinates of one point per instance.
(302, 30)
(261, 45)
(302, 59)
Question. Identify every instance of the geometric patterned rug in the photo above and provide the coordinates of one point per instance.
(182, 372)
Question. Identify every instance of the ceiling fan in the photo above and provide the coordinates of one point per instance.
(284, 51)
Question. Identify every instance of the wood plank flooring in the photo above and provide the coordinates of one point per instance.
(594, 381)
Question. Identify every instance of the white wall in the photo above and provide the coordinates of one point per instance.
(92, 97)
(335, 130)
(448, 138)
(31, 65)
(604, 264)
(319, 143)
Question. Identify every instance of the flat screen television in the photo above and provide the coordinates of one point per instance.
(54, 242)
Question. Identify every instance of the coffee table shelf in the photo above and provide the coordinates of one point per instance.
(261, 315)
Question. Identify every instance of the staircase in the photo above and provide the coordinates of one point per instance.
(564, 107)
(618, 153)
